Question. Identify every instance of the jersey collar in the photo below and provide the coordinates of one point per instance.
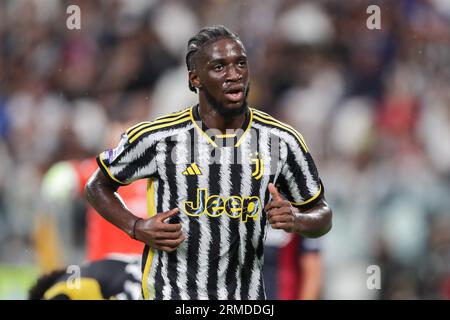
(221, 139)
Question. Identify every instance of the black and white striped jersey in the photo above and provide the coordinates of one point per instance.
(219, 182)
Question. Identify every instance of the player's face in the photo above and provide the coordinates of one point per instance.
(223, 75)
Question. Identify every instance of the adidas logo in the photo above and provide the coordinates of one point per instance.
(192, 170)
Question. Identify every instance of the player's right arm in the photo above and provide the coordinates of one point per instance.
(134, 158)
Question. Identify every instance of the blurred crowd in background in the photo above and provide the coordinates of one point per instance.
(372, 105)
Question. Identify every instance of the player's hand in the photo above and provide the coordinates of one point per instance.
(280, 212)
(158, 234)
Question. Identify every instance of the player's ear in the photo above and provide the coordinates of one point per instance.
(194, 79)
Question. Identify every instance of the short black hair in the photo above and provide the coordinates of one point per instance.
(204, 36)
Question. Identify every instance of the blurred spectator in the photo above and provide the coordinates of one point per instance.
(292, 267)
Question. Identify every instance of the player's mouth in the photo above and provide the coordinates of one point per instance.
(235, 93)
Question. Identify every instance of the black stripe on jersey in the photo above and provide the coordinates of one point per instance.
(214, 225)
(283, 187)
(194, 233)
(157, 123)
(104, 170)
(312, 203)
(311, 166)
(144, 257)
(144, 135)
(273, 144)
(261, 290)
(143, 262)
(260, 248)
(153, 128)
(173, 115)
(136, 126)
(263, 220)
(138, 164)
(249, 257)
(158, 119)
(234, 240)
(159, 281)
(300, 180)
(297, 174)
(172, 256)
(272, 122)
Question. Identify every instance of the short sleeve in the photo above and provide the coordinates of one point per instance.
(132, 159)
(299, 179)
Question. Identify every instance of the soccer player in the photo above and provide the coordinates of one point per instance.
(114, 277)
(211, 170)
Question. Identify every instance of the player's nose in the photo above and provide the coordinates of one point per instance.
(234, 74)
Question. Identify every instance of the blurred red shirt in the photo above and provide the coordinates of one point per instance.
(102, 237)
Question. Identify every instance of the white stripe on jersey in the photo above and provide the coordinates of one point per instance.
(255, 280)
(288, 175)
(152, 274)
(151, 167)
(182, 156)
(225, 189)
(264, 146)
(205, 232)
(264, 142)
(266, 131)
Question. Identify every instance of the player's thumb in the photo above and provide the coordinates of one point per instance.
(276, 196)
(165, 215)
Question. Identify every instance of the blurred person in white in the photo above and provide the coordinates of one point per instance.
(304, 105)
(348, 167)
(85, 234)
(434, 267)
(6, 166)
(37, 119)
(435, 125)
(169, 91)
(57, 224)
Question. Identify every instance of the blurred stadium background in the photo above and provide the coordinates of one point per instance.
(373, 106)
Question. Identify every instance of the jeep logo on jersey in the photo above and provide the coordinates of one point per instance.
(214, 206)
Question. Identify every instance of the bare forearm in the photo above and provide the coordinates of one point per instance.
(107, 202)
(314, 222)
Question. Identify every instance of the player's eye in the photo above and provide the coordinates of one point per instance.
(218, 67)
(242, 63)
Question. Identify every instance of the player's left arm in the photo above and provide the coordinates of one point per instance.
(311, 223)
